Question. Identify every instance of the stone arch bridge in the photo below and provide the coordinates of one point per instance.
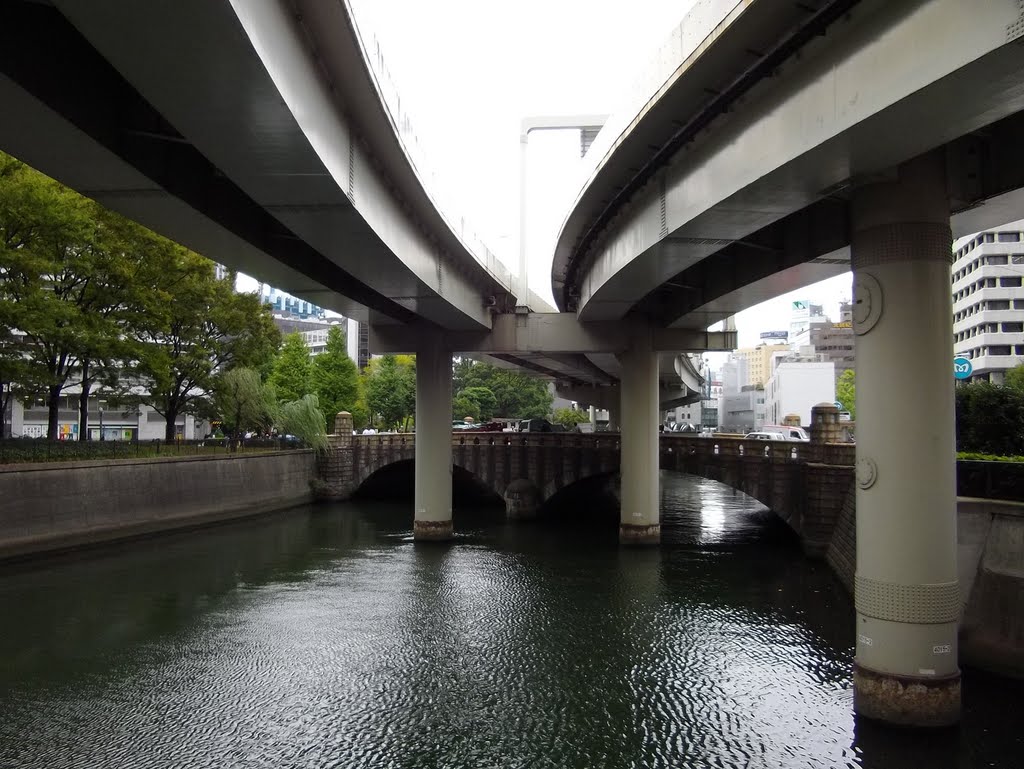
(806, 484)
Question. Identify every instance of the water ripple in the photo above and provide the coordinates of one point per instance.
(331, 640)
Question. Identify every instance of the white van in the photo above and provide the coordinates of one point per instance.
(789, 432)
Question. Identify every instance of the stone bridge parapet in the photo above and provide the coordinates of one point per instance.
(804, 483)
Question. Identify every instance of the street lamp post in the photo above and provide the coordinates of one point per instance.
(101, 418)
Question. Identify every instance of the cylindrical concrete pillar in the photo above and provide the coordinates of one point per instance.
(433, 520)
(907, 594)
(615, 416)
(640, 517)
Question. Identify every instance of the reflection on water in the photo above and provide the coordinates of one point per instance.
(325, 637)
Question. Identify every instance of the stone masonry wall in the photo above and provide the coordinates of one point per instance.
(60, 505)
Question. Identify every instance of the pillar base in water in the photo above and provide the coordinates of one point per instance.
(432, 531)
(634, 534)
(522, 500)
(905, 700)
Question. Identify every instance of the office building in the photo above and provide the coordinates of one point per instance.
(988, 301)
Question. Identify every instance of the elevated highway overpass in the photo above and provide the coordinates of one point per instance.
(268, 136)
(774, 144)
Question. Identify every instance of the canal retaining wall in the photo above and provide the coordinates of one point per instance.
(49, 507)
(990, 564)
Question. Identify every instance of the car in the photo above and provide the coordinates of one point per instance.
(764, 435)
(789, 432)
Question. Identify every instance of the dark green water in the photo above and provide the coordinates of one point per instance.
(327, 638)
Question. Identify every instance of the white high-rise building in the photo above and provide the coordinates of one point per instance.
(988, 300)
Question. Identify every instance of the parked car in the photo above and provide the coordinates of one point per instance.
(762, 435)
(789, 432)
(538, 426)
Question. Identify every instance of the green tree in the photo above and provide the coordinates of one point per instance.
(463, 406)
(245, 403)
(65, 284)
(516, 395)
(1015, 378)
(290, 375)
(304, 419)
(989, 419)
(335, 378)
(846, 391)
(201, 330)
(391, 389)
(486, 403)
(569, 418)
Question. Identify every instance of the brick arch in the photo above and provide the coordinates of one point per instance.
(556, 485)
(366, 471)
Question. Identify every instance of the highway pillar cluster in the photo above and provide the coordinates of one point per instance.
(907, 593)
(433, 494)
(639, 523)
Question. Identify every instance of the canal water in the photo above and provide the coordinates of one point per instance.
(324, 637)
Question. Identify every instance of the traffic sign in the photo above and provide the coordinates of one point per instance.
(962, 367)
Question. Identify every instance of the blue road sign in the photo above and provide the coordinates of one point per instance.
(962, 367)
(838, 405)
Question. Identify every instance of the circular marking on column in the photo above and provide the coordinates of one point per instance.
(867, 302)
(867, 472)
(925, 604)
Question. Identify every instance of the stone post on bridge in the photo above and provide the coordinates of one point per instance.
(906, 591)
(433, 495)
(827, 480)
(335, 466)
(640, 517)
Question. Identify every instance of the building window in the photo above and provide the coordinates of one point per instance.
(1009, 237)
(1009, 282)
(999, 349)
(1019, 349)
(999, 304)
(989, 237)
(997, 259)
(1013, 327)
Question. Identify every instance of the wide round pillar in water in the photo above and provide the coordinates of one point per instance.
(433, 495)
(907, 593)
(639, 522)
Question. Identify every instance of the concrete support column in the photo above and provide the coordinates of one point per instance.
(615, 416)
(592, 416)
(640, 517)
(433, 502)
(907, 594)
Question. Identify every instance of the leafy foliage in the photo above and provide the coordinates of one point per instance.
(569, 418)
(1015, 378)
(515, 395)
(846, 391)
(335, 379)
(290, 374)
(304, 419)
(245, 403)
(990, 419)
(391, 390)
(88, 296)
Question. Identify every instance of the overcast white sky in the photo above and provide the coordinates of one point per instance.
(469, 71)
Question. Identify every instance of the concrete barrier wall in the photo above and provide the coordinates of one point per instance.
(990, 566)
(61, 505)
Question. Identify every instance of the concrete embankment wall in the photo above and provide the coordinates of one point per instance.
(990, 565)
(49, 507)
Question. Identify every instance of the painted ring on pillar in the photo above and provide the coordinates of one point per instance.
(867, 472)
(867, 302)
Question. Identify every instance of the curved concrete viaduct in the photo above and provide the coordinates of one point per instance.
(775, 144)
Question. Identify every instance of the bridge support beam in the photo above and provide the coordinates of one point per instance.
(639, 522)
(433, 495)
(907, 594)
